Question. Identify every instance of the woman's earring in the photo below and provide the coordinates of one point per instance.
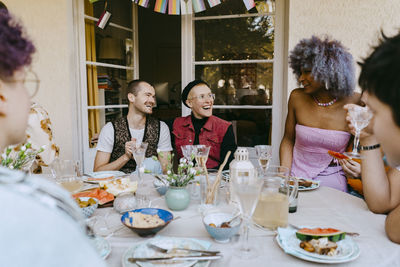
(326, 85)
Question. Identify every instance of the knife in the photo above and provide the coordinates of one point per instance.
(176, 258)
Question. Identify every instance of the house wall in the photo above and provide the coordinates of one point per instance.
(356, 23)
(49, 24)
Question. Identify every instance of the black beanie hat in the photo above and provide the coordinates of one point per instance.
(189, 87)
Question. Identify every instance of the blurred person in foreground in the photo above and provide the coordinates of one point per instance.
(315, 122)
(41, 225)
(380, 81)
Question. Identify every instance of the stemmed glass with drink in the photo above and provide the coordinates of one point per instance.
(188, 152)
(360, 118)
(264, 155)
(246, 190)
(201, 154)
(139, 153)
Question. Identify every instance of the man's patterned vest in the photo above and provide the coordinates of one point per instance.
(123, 135)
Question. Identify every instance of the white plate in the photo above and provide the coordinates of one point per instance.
(93, 176)
(348, 250)
(142, 250)
(102, 246)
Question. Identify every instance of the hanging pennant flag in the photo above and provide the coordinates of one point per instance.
(213, 3)
(143, 3)
(174, 7)
(186, 7)
(249, 4)
(198, 5)
(161, 6)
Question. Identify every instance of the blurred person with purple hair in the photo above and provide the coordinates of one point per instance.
(42, 225)
(315, 121)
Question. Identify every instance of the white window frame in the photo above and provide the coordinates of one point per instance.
(87, 153)
(279, 95)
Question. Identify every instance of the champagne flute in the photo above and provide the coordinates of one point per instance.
(264, 154)
(201, 155)
(187, 151)
(247, 190)
(139, 153)
(360, 118)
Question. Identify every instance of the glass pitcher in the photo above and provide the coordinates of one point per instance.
(278, 191)
(66, 173)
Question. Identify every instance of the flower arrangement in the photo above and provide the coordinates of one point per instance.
(20, 157)
(186, 172)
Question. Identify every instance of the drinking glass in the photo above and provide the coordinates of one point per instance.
(264, 155)
(187, 151)
(139, 153)
(247, 190)
(201, 155)
(360, 118)
(66, 173)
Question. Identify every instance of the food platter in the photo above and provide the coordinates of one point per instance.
(314, 184)
(96, 177)
(348, 250)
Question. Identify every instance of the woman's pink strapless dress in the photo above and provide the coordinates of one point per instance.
(311, 159)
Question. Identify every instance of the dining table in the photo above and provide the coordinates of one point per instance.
(321, 207)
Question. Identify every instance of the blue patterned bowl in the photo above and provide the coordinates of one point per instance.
(89, 210)
(220, 234)
(164, 215)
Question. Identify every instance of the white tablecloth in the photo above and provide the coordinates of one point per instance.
(324, 207)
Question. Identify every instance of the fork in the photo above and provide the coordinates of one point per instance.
(163, 250)
(353, 234)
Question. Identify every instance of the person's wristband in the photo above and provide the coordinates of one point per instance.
(370, 147)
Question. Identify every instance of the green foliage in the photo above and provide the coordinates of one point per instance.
(186, 172)
(19, 157)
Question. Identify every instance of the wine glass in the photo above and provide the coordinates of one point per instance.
(201, 155)
(360, 117)
(264, 154)
(187, 152)
(139, 153)
(247, 190)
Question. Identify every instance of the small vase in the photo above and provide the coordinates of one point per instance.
(177, 198)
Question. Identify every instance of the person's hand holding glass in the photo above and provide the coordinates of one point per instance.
(359, 119)
(139, 153)
(264, 155)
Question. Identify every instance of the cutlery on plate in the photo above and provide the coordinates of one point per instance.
(176, 258)
(353, 234)
(164, 250)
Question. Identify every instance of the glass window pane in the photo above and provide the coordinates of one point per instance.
(251, 127)
(230, 7)
(239, 84)
(235, 39)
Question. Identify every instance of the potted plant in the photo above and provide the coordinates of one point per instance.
(177, 196)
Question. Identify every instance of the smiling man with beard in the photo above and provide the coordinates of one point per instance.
(117, 138)
(201, 127)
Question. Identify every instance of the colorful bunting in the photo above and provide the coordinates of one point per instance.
(249, 4)
(143, 3)
(198, 5)
(174, 7)
(213, 3)
(161, 6)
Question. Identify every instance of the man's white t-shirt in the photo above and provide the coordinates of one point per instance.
(106, 138)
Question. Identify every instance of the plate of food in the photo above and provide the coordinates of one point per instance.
(95, 177)
(307, 184)
(142, 249)
(118, 186)
(327, 246)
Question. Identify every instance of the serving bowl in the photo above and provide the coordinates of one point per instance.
(164, 215)
(89, 210)
(160, 187)
(213, 221)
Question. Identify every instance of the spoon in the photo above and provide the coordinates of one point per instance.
(229, 222)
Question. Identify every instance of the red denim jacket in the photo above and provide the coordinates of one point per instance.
(211, 134)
